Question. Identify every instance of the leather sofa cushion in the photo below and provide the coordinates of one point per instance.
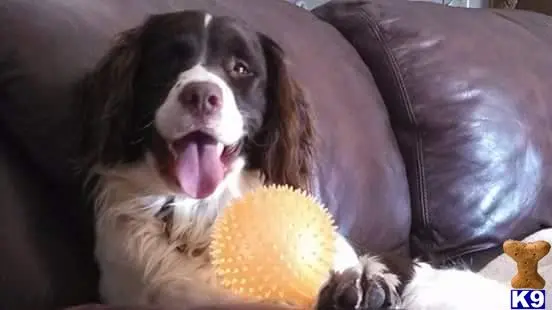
(47, 258)
(469, 96)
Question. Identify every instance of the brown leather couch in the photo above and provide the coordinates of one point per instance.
(435, 126)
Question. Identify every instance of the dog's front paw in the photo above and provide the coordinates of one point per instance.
(367, 286)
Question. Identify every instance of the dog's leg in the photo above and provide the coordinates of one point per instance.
(369, 285)
(139, 266)
(381, 283)
(354, 283)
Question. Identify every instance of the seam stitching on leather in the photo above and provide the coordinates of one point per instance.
(407, 104)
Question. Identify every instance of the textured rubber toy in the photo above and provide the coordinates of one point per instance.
(275, 244)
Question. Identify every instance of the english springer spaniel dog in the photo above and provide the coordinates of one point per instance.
(188, 111)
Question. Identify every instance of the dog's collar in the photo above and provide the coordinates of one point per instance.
(166, 211)
(166, 214)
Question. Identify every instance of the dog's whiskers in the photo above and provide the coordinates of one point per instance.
(146, 126)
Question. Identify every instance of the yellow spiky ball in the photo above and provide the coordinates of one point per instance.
(275, 244)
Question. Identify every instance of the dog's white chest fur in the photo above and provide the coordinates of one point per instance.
(144, 261)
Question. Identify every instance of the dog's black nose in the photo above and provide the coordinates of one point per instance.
(204, 97)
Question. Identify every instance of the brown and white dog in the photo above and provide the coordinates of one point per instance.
(188, 111)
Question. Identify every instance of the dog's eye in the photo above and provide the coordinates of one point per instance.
(240, 69)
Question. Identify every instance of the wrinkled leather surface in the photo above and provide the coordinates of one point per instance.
(47, 45)
(46, 254)
(470, 100)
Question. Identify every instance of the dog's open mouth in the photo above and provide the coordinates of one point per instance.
(201, 163)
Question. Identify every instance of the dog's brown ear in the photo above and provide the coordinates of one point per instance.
(106, 93)
(286, 140)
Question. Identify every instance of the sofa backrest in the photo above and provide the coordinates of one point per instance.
(469, 94)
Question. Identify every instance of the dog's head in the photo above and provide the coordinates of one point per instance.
(203, 94)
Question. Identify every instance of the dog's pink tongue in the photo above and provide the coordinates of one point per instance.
(198, 166)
